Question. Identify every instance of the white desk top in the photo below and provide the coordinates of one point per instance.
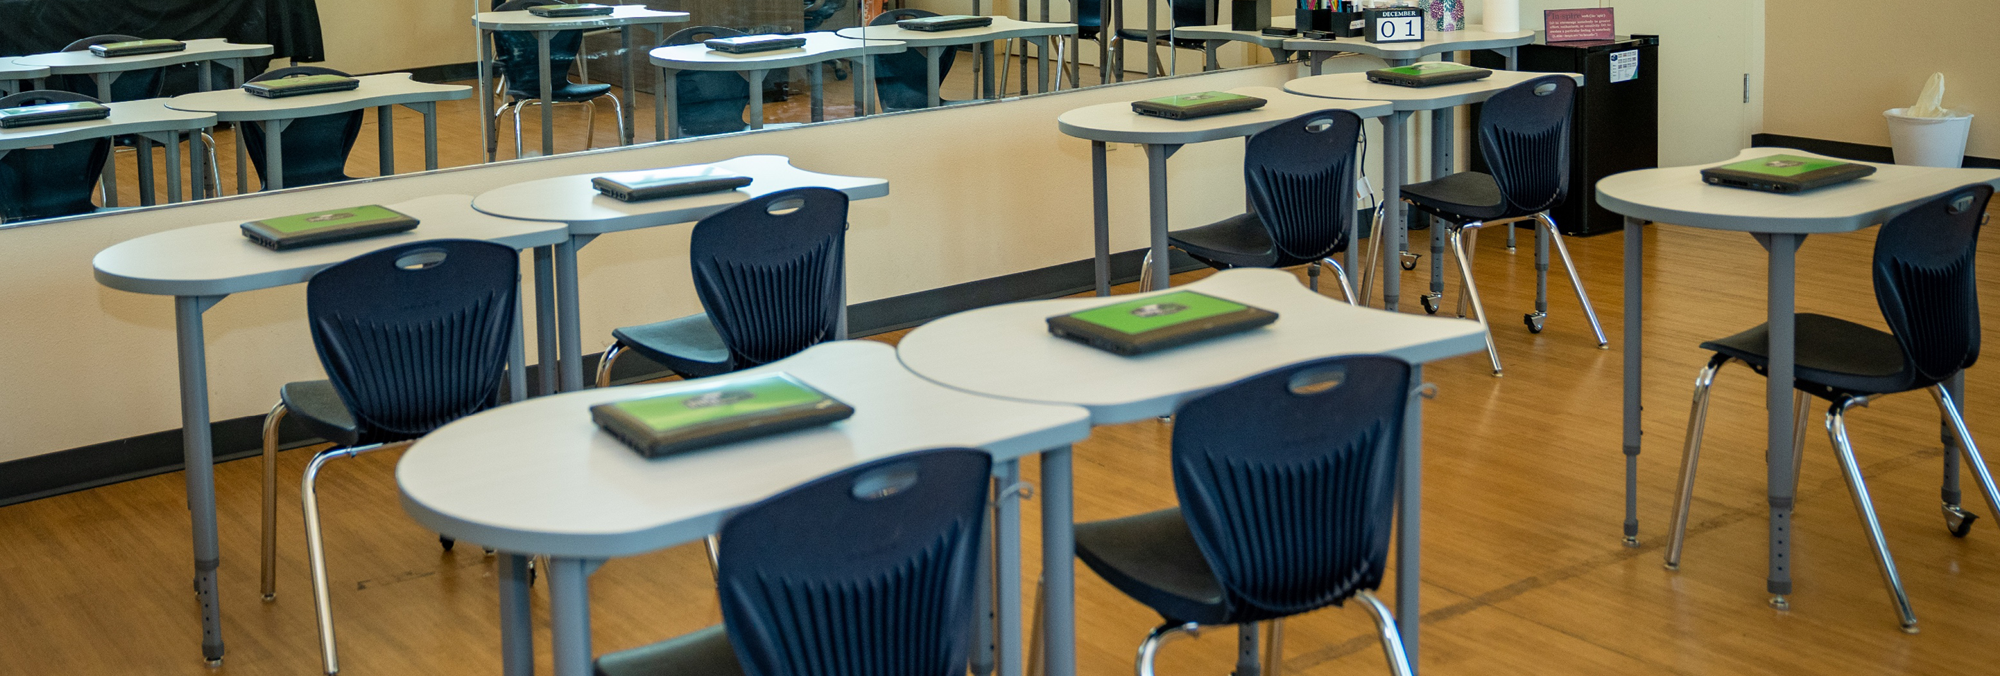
(232, 105)
(1116, 123)
(127, 117)
(820, 46)
(1001, 29)
(216, 259)
(1006, 350)
(1224, 32)
(572, 200)
(538, 477)
(1357, 86)
(1678, 196)
(621, 15)
(1435, 42)
(16, 71)
(82, 61)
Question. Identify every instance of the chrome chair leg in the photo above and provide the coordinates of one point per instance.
(589, 124)
(1967, 448)
(617, 111)
(214, 177)
(1690, 457)
(316, 550)
(1471, 254)
(1392, 641)
(713, 545)
(1340, 273)
(1575, 279)
(269, 575)
(1836, 428)
(1146, 273)
(1472, 290)
(518, 105)
(1312, 276)
(609, 360)
(1374, 258)
(1158, 637)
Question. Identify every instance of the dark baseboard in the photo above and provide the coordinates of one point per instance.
(85, 467)
(1858, 152)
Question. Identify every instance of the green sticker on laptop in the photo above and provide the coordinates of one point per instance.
(1428, 74)
(1785, 173)
(1158, 322)
(326, 227)
(732, 409)
(1198, 104)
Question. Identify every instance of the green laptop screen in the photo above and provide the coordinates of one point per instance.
(295, 224)
(721, 401)
(1158, 312)
(1184, 100)
(1782, 166)
(1427, 69)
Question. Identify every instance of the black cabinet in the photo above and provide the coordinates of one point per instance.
(1617, 123)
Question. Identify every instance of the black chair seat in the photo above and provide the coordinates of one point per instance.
(1238, 241)
(1462, 197)
(1834, 354)
(689, 345)
(567, 92)
(1154, 559)
(315, 404)
(702, 653)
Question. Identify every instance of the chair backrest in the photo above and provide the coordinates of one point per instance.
(818, 11)
(1300, 176)
(772, 282)
(417, 335)
(1089, 14)
(1524, 132)
(514, 52)
(1287, 481)
(314, 149)
(902, 80)
(711, 102)
(130, 85)
(867, 571)
(1927, 286)
(1190, 13)
(53, 181)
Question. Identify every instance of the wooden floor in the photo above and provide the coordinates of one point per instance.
(1523, 569)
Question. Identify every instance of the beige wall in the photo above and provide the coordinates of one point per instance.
(376, 36)
(1835, 65)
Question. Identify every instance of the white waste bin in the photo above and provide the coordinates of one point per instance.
(1929, 141)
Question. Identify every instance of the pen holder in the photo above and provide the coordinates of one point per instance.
(1349, 24)
(1314, 19)
(1250, 15)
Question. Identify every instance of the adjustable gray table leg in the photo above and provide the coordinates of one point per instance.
(143, 157)
(1042, 64)
(548, 107)
(1208, 58)
(385, 139)
(1949, 490)
(198, 456)
(1101, 216)
(625, 91)
(1393, 156)
(487, 137)
(274, 156)
(1778, 408)
(110, 173)
(1007, 566)
(756, 78)
(667, 97)
(1634, 340)
(1058, 564)
(173, 149)
(570, 336)
(545, 319)
(430, 111)
(817, 74)
(931, 74)
(1409, 517)
(1156, 189)
(569, 614)
(989, 87)
(517, 637)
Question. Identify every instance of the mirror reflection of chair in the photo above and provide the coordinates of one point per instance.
(515, 53)
(53, 181)
(1089, 22)
(1299, 175)
(902, 81)
(816, 14)
(708, 102)
(314, 149)
(1180, 13)
(411, 337)
(870, 570)
(770, 273)
(1287, 484)
(1524, 132)
(132, 85)
(1926, 286)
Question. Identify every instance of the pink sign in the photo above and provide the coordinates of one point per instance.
(1571, 25)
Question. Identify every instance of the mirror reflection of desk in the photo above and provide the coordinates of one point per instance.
(14, 75)
(820, 47)
(148, 119)
(933, 44)
(623, 18)
(382, 92)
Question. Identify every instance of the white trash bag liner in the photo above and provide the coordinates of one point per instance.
(1928, 134)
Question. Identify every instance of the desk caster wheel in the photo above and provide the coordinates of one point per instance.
(446, 542)
(1410, 260)
(1958, 521)
(1534, 321)
(1430, 302)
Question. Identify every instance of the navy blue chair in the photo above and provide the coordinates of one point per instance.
(1525, 135)
(770, 274)
(130, 86)
(53, 181)
(1180, 13)
(411, 337)
(902, 80)
(1300, 176)
(866, 572)
(1287, 485)
(515, 56)
(314, 149)
(1926, 285)
(708, 102)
